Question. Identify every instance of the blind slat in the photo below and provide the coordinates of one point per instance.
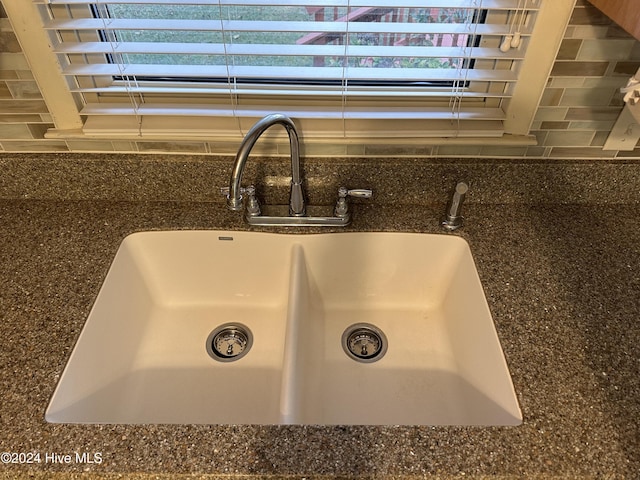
(269, 72)
(254, 90)
(485, 4)
(277, 26)
(271, 50)
(441, 113)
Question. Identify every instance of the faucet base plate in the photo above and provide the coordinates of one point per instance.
(317, 216)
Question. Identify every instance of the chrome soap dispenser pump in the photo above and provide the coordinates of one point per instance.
(453, 218)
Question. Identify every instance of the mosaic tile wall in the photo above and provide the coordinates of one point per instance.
(578, 110)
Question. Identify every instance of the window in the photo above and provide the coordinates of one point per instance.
(289, 44)
(409, 68)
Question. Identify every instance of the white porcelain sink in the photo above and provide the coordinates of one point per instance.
(145, 353)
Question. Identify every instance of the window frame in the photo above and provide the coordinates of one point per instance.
(65, 107)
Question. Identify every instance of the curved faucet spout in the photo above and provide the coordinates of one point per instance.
(296, 200)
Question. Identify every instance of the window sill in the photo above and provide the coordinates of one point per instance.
(311, 131)
(176, 136)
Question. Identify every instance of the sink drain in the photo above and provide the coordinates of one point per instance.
(229, 342)
(364, 342)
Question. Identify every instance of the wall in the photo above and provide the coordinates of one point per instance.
(578, 110)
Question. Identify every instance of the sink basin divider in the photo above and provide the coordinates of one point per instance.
(292, 366)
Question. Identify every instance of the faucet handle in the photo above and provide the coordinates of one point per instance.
(253, 206)
(225, 190)
(343, 192)
(342, 208)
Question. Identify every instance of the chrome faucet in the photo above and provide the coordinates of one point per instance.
(296, 213)
(296, 196)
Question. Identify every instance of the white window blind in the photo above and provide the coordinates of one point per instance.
(450, 64)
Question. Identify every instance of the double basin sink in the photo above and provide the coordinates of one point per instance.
(215, 327)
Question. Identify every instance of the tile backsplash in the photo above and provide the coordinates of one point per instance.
(578, 110)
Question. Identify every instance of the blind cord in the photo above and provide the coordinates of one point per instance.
(345, 65)
(465, 65)
(231, 81)
(119, 59)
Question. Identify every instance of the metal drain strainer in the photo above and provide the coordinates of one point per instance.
(364, 342)
(229, 342)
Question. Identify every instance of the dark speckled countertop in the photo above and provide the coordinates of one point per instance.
(557, 246)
